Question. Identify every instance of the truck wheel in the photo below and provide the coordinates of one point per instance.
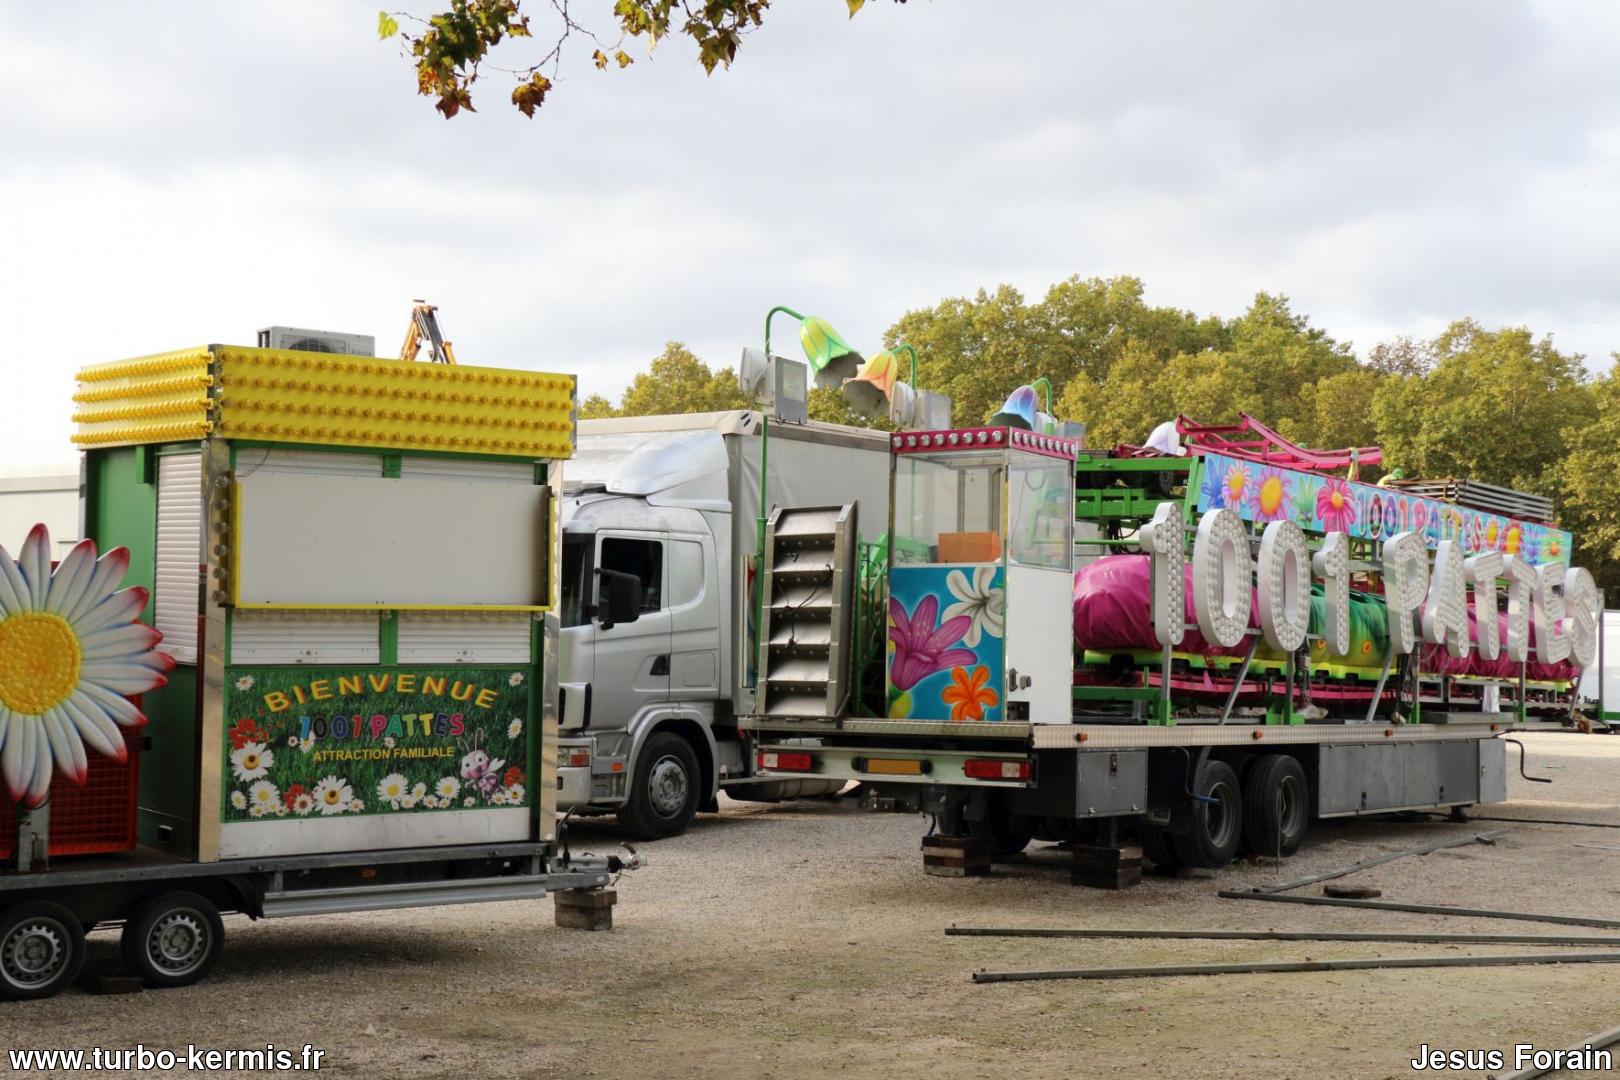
(41, 949)
(1217, 819)
(664, 790)
(173, 939)
(1276, 806)
(1156, 846)
(1006, 833)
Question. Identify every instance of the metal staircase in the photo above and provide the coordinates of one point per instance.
(804, 651)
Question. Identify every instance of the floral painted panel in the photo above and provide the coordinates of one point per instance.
(1321, 504)
(947, 652)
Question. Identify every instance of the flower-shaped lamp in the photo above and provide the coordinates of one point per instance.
(831, 357)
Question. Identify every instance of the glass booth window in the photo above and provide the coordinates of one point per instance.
(947, 507)
(1040, 511)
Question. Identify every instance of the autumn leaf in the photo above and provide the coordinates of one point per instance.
(854, 6)
(387, 26)
(531, 95)
(599, 58)
(622, 58)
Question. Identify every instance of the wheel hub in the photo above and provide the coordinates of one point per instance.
(667, 785)
(178, 942)
(35, 953)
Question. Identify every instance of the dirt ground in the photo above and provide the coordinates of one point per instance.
(804, 940)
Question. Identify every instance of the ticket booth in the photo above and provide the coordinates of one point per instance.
(980, 576)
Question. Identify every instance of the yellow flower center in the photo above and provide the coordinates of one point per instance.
(1337, 499)
(1271, 494)
(250, 761)
(331, 796)
(39, 662)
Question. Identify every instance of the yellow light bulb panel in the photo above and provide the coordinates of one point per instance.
(275, 395)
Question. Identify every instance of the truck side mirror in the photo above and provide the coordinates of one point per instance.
(620, 598)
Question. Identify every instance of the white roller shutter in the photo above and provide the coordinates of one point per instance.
(177, 583)
(278, 637)
(432, 637)
(520, 472)
(320, 462)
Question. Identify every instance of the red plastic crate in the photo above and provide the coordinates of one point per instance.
(90, 820)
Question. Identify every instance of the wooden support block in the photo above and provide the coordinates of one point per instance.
(1106, 867)
(100, 983)
(955, 856)
(586, 909)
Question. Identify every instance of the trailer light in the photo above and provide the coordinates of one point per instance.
(617, 766)
(578, 758)
(993, 769)
(785, 761)
(893, 766)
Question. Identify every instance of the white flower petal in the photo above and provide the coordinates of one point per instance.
(56, 738)
(13, 590)
(90, 697)
(5, 725)
(115, 642)
(72, 575)
(983, 578)
(109, 574)
(11, 756)
(76, 763)
(957, 583)
(35, 563)
(123, 676)
(120, 609)
(39, 785)
(96, 728)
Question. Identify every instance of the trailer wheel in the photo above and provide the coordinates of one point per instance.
(41, 949)
(173, 939)
(1276, 806)
(1156, 846)
(664, 791)
(1007, 834)
(1217, 819)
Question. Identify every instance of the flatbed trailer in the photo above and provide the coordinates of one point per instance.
(1109, 674)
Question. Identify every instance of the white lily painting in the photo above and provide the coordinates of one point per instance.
(70, 649)
(981, 600)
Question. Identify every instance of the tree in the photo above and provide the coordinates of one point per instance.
(1589, 482)
(1498, 406)
(675, 382)
(449, 48)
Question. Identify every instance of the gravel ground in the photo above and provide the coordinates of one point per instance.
(804, 940)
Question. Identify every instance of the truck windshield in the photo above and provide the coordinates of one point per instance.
(576, 577)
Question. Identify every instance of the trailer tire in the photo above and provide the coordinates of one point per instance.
(1276, 805)
(1158, 849)
(41, 950)
(1007, 834)
(173, 939)
(1216, 824)
(664, 790)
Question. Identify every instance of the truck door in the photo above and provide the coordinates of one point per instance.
(632, 661)
(694, 608)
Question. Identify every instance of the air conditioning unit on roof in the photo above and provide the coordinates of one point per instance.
(326, 341)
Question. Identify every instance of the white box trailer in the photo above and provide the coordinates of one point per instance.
(676, 502)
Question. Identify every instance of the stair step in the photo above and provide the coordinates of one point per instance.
(813, 633)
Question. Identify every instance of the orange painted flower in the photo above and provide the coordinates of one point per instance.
(967, 695)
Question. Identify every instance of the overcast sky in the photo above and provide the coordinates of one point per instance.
(179, 173)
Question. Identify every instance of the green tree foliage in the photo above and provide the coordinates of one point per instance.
(675, 382)
(1497, 406)
(1590, 485)
(450, 47)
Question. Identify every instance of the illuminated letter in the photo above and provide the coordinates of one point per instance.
(1552, 635)
(1581, 597)
(276, 700)
(1284, 585)
(1445, 612)
(1332, 565)
(1406, 572)
(1521, 579)
(1221, 575)
(1164, 539)
(1483, 570)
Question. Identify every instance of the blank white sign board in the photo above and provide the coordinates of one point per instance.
(305, 540)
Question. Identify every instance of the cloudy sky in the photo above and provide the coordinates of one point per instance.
(177, 173)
